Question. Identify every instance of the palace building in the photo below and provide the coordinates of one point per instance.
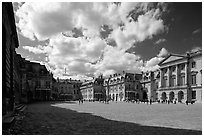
(68, 89)
(181, 77)
(150, 84)
(10, 68)
(125, 86)
(93, 89)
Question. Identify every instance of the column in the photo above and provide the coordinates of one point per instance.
(177, 75)
(186, 74)
(168, 77)
(201, 78)
(161, 79)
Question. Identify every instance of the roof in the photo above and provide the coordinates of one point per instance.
(171, 57)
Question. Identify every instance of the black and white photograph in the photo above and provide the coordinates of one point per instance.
(101, 68)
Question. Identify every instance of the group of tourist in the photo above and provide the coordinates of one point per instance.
(137, 101)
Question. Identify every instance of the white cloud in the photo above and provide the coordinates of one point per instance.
(146, 26)
(38, 49)
(160, 41)
(116, 60)
(194, 49)
(163, 52)
(43, 20)
(78, 54)
(152, 64)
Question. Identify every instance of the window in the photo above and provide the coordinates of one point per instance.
(182, 80)
(137, 87)
(193, 65)
(157, 85)
(173, 69)
(47, 84)
(193, 79)
(173, 82)
(165, 81)
(182, 66)
(193, 94)
(165, 70)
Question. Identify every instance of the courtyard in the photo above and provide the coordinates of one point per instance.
(95, 118)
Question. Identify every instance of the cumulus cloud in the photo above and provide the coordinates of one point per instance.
(152, 64)
(43, 20)
(116, 60)
(91, 38)
(163, 52)
(38, 49)
(194, 49)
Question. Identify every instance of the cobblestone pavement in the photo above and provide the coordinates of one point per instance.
(58, 118)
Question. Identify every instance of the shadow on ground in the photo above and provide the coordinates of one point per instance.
(50, 120)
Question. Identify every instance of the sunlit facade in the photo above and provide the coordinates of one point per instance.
(125, 86)
(181, 78)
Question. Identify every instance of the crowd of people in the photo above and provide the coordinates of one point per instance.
(137, 101)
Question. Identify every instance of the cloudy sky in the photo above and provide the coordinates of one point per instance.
(88, 39)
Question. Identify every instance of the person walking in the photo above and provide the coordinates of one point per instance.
(186, 102)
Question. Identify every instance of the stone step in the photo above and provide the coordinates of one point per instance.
(7, 122)
(20, 108)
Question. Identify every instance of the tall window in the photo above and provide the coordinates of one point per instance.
(165, 70)
(182, 82)
(157, 85)
(173, 69)
(193, 65)
(47, 84)
(193, 79)
(182, 66)
(173, 81)
(165, 81)
(193, 94)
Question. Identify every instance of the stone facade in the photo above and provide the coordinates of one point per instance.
(93, 89)
(150, 85)
(36, 82)
(181, 77)
(69, 89)
(10, 75)
(125, 86)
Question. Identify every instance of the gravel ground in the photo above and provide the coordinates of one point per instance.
(94, 118)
